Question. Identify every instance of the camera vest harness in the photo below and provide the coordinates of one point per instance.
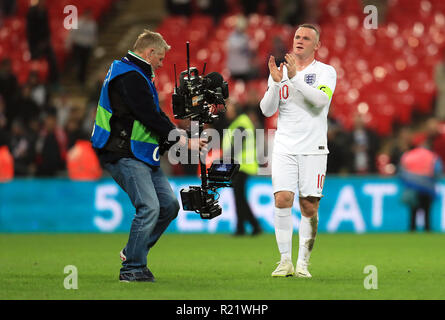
(144, 144)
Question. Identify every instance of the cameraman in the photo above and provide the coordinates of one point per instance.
(130, 134)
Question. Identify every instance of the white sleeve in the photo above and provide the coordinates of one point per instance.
(269, 103)
(320, 96)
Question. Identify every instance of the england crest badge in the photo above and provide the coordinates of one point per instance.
(310, 78)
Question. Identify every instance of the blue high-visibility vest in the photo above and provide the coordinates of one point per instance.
(144, 143)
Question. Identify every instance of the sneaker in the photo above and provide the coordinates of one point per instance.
(140, 276)
(301, 271)
(285, 269)
(122, 255)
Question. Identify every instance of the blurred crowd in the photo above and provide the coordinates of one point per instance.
(38, 125)
(285, 11)
(40, 122)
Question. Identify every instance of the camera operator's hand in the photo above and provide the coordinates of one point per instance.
(195, 143)
(183, 140)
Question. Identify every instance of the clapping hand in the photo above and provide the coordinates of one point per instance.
(291, 65)
(275, 72)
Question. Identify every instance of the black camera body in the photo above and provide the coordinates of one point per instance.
(204, 200)
(193, 99)
(195, 94)
(201, 201)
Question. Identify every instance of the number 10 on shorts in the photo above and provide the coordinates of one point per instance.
(320, 181)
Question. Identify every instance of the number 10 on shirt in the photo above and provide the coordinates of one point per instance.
(320, 181)
(284, 92)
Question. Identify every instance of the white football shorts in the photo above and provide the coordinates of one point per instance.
(302, 173)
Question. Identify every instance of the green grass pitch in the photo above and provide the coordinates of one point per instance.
(202, 266)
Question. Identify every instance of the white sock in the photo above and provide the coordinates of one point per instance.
(306, 235)
(283, 231)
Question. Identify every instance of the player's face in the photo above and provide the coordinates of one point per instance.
(305, 42)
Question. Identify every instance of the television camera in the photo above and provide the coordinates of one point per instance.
(195, 98)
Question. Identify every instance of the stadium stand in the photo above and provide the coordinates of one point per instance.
(13, 42)
(386, 74)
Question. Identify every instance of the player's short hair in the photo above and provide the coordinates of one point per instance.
(150, 39)
(310, 26)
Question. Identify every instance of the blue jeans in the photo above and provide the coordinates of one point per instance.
(156, 206)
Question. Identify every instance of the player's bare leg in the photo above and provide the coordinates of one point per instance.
(307, 233)
(283, 232)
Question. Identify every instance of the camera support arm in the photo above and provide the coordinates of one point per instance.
(202, 160)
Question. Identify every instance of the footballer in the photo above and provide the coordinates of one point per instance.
(301, 89)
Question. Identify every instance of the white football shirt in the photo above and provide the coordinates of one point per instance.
(303, 105)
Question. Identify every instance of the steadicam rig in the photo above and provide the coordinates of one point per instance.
(195, 99)
(196, 94)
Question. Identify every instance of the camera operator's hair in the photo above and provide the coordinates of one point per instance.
(150, 39)
(311, 26)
